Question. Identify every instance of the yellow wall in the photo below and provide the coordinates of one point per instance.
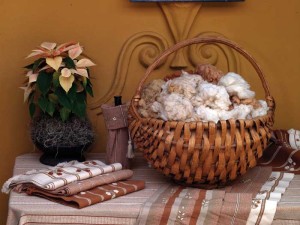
(269, 29)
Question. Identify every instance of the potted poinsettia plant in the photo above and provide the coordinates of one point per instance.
(56, 89)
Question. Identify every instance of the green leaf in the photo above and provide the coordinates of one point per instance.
(79, 108)
(64, 113)
(44, 81)
(43, 103)
(63, 98)
(89, 90)
(56, 79)
(84, 81)
(81, 97)
(72, 93)
(53, 98)
(31, 109)
(37, 63)
(69, 63)
(31, 97)
(30, 66)
(50, 108)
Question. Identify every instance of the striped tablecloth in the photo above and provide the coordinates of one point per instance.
(133, 208)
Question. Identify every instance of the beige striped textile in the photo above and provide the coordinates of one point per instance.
(61, 175)
(267, 197)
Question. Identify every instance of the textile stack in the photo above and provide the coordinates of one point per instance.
(76, 184)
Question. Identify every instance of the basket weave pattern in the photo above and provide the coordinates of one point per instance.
(203, 153)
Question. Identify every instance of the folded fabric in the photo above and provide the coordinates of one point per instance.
(61, 175)
(83, 185)
(92, 196)
(280, 155)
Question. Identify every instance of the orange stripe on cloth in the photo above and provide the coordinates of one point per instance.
(197, 207)
(167, 210)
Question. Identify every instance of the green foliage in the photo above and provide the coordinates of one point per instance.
(37, 63)
(48, 89)
(79, 109)
(55, 79)
(52, 97)
(50, 108)
(64, 113)
(43, 103)
(31, 109)
(30, 66)
(89, 90)
(63, 98)
(72, 93)
(44, 81)
(69, 63)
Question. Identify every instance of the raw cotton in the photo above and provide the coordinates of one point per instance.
(148, 96)
(185, 85)
(189, 97)
(173, 107)
(213, 96)
(236, 85)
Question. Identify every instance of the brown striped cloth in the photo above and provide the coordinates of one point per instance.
(84, 185)
(252, 199)
(191, 206)
(178, 205)
(280, 155)
(92, 196)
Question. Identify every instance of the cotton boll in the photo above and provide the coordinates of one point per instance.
(177, 107)
(152, 90)
(185, 85)
(226, 115)
(197, 101)
(240, 90)
(207, 114)
(242, 112)
(261, 111)
(216, 97)
(194, 78)
(149, 93)
(158, 108)
(236, 85)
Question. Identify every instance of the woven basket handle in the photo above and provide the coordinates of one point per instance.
(207, 40)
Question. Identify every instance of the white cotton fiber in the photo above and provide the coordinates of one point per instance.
(207, 114)
(261, 111)
(236, 85)
(213, 96)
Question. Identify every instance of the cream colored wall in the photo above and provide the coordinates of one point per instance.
(268, 29)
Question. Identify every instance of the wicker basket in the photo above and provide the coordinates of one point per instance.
(201, 153)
